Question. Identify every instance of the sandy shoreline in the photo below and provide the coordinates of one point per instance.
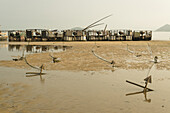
(80, 84)
(80, 57)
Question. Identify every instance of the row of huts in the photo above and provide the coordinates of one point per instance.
(78, 35)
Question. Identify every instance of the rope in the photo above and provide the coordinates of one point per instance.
(135, 53)
(130, 50)
(55, 59)
(112, 62)
(51, 56)
(150, 69)
(31, 65)
(155, 58)
(149, 49)
(101, 58)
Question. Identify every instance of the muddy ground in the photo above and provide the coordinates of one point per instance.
(80, 57)
(83, 83)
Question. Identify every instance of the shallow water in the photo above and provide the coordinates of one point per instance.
(83, 92)
(9, 51)
(161, 36)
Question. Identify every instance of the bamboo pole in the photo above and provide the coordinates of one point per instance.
(139, 85)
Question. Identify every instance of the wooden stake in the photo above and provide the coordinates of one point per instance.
(139, 85)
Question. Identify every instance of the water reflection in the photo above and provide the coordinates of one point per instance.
(140, 92)
(8, 51)
(37, 48)
(33, 74)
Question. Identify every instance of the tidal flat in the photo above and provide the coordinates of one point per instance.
(81, 82)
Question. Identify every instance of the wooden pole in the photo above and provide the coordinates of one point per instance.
(139, 85)
(41, 68)
(146, 83)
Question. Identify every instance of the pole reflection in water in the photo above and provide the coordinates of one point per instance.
(145, 95)
(33, 74)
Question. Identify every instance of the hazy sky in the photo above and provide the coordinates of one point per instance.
(64, 14)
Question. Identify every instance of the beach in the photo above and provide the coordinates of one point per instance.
(84, 82)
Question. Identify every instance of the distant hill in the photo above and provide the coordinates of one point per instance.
(77, 28)
(165, 28)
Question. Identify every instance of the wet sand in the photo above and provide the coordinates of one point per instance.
(82, 92)
(82, 83)
(81, 58)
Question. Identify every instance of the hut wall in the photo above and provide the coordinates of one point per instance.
(67, 38)
(112, 38)
(52, 34)
(69, 33)
(128, 38)
(79, 33)
(136, 36)
(92, 38)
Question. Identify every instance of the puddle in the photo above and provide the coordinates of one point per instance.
(9, 51)
(83, 92)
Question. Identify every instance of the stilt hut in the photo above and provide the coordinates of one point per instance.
(102, 35)
(79, 35)
(145, 35)
(136, 36)
(44, 35)
(52, 35)
(91, 35)
(16, 35)
(148, 35)
(3, 35)
(121, 36)
(142, 35)
(68, 35)
(113, 35)
(36, 34)
(128, 34)
(60, 36)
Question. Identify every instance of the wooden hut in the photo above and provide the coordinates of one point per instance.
(128, 34)
(68, 35)
(3, 35)
(91, 35)
(79, 35)
(44, 35)
(36, 34)
(142, 35)
(148, 35)
(113, 35)
(16, 35)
